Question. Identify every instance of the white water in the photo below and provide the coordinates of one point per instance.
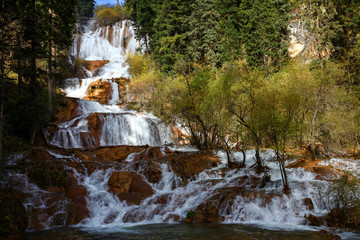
(118, 127)
(281, 211)
(270, 208)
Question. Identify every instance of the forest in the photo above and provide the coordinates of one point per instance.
(224, 70)
(220, 68)
(236, 78)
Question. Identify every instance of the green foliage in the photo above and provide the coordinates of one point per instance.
(264, 30)
(342, 200)
(85, 10)
(190, 214)
(334, 25)
(36, 32)
(204, 35)
(137, 65)
(106, 15)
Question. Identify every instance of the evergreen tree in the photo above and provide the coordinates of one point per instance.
(85, 10)
(264, 31)
(204, 35)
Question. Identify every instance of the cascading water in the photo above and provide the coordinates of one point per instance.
(232, 196)
(118, 127)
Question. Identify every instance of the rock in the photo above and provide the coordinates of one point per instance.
(324, 172)
(187, 165)
(116, 154)
(76, 213)
(139, 185)
(314, 221)
(329, 236)
(122, 86)
(94, 65)
(69, 181)
(151, 170)
(13, 217)
(133, 198)
(130, 187)
(308, 203)
(99, 91)
(77, 208)
(51, 213)
(180, 137)
(120, 182)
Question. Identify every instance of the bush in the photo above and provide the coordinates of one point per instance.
(106, 15)
(341, 199)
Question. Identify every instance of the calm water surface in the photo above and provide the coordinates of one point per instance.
(181, 231)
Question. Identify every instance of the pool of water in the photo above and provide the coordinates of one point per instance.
(184, 231)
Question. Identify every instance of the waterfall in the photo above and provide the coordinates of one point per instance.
(240, 195)
(118, 127)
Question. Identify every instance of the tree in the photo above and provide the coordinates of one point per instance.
(204, 35)
(85, 10)
(241, 86)
(264, 31)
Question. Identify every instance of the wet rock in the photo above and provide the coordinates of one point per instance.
(329, 236)
(314, 220)
(77, 208)
(76, 213)
(150, 169)
(132, 198)
(130, 187)
(116, 154)
(120, 182)
(48, 211)
(94, 65)
(13, 217)
(69, 181)
(324, 172)
(77, 194)
(188, 165)
(99, 91)
(308, 203)
(122, 86)
(139, 185)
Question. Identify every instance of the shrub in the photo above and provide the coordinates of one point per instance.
(341, 199)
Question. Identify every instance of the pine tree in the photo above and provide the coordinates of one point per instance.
(85, 10)
(205, 36)
(264, 31)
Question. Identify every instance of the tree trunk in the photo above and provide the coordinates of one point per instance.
(19, 63)
(244, 156)
(2, 103)
(257, 157)
(49, 80)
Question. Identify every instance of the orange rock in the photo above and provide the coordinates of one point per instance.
(120, 182)
(94, 65)
(99, 91)
(76, 213)
(130, 187)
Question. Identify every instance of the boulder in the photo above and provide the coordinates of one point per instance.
(130, 187)
(314, 220)
(188, 165)
(308, 203)
(120, 182)
(95, 65)
(99, 91)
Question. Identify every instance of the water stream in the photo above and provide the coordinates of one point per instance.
(255, 212)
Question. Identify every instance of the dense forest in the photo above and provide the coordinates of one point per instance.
(220, 68)
(224, 69)
(35, 40)
(149, 111)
